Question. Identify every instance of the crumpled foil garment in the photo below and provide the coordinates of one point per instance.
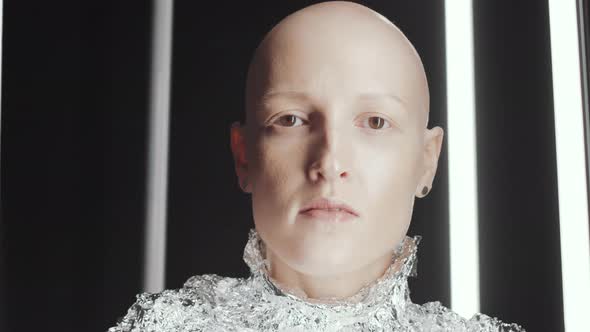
(259, 303)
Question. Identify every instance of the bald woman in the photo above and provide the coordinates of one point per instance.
(334, 150)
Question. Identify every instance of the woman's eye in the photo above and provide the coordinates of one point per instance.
(376, 122)
(289, 121)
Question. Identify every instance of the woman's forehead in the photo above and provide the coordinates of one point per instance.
(337, 54)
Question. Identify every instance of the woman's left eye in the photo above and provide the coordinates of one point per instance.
(289, 120)
(376, 122)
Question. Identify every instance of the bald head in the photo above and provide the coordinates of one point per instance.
(341, 42)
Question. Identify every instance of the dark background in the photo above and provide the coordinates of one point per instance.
(74, 127)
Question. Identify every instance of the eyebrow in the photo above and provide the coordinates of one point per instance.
(366, 96)
(285, 94)
(371, 96)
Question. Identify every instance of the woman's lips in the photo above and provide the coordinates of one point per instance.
(330, 215)
(329, 204)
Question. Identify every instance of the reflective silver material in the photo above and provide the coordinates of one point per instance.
(259, 303)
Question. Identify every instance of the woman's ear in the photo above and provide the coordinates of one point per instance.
(432, 147)
(238, 147)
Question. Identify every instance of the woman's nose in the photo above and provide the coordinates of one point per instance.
(328, 160)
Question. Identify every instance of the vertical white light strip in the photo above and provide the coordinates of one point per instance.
(571, 163)
(463, 217)
(157, 175)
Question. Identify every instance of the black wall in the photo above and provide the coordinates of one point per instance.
(73, 139)
(519, 216)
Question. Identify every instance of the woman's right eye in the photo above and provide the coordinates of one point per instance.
(289, 120)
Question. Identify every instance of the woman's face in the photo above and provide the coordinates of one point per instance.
(337, 118)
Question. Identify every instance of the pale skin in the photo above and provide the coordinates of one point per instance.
(337, 107)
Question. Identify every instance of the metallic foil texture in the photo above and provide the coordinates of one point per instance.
(258, 303)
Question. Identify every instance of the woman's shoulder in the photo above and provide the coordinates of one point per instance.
(186, 308)
(437, 317)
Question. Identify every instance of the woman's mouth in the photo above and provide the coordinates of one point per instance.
(332, 215)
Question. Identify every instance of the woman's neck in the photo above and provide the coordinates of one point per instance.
(337, 286)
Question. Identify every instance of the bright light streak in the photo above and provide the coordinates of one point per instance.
(157, 177)
(571, 163)
(464, 247)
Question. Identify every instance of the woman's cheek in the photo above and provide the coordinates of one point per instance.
(276, 164)
(389, 169)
